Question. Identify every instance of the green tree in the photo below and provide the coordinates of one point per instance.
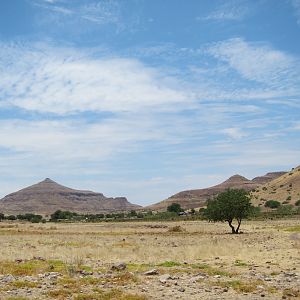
(2, 217)
(174, 207)
(229, 205)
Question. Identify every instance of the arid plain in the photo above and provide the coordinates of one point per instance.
(150, 260)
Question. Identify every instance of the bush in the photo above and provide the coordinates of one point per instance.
(272, 204)
(297, 203)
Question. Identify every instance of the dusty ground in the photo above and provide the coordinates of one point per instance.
(200, 260)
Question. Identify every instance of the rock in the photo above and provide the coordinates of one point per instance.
(260, 287)
(52, 275)
(151, 272)
(85, 273)
(268, 279)
(164, 278)
(8, 278)
(181, 289)
(197, 278)
(217, 276)
(119, 267)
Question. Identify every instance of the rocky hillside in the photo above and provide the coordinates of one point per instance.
(48, 196)
(285, 189)
(197, 198)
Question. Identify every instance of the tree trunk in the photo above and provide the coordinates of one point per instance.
(231, 226)
(239, 224)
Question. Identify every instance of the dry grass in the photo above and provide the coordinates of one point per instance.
(202, 247)
(77, 244)
(239, 286)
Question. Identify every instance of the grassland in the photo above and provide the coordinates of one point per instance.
(198, 260)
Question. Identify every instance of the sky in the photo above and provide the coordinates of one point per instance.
(146, 98)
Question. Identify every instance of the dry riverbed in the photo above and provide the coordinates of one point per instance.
(144, 260)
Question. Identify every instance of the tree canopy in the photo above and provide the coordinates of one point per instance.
(229, 205)
(174, 207)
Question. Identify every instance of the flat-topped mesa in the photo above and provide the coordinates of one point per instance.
(48, 196)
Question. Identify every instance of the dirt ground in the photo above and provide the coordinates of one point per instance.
(150, 260)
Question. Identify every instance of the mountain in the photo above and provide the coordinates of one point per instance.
(48, 196)
(285, 189)
(268, 177)
(197, 198)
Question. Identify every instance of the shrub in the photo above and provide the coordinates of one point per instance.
(272, 204)
(297, 203)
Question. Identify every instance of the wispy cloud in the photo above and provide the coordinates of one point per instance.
(67, 14)
(67, 82)
(296, 6)
(234, 132)
(258, 62)
(229, 11)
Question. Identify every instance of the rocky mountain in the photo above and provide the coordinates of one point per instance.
(197, 198)
(48, 196)
(285, 189)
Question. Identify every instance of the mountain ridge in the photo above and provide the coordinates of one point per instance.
(197, 197)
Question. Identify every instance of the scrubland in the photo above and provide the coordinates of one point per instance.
(187, 260)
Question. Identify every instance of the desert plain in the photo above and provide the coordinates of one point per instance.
(150, 260)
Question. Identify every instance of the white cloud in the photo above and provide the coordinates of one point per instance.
(234, 133)
(258, 62)
(67, 14)
(229, 11)
(65, 82)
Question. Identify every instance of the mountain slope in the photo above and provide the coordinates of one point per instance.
(285, 189)
(48, 196)
(197, 198)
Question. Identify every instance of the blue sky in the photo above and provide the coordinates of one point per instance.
(145, 98)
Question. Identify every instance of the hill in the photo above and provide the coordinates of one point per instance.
(197, 198)
(48, 196)
(285, 189)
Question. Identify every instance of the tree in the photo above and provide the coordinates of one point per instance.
(2, 217)
(229, 205)
(174, 207)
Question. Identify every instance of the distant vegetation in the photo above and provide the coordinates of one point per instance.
(33, 218)
(272, 204)
(174, 207)
(225, 207)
